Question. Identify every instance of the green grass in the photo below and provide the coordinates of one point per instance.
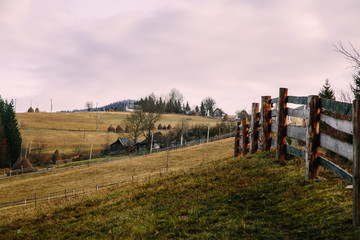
(250, 197)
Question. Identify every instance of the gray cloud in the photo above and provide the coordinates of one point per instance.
(234, 51)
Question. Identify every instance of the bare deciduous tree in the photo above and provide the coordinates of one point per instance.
(148, 123)
(89, 105)
(134, 121)
(352, 55)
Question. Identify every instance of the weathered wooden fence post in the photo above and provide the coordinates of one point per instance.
(281, 133)
(312, 138)
(245, 136)
(237, 140)
(254, 128)
(356, 158)
(266, 123)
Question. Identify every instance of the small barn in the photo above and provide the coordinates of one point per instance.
(122, 144)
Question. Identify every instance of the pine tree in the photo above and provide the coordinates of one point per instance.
(11, 133)
(187, 108)
(326, 91)
(202, 109)
(197, 108)
(356, 87)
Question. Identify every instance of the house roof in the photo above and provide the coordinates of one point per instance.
(126, 142)
(156, 139)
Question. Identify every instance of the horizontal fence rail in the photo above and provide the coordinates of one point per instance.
(340, 133)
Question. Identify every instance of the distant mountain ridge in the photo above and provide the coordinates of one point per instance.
(124, 105)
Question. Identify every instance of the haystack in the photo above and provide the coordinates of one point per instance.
(164, 127)
(56, 156)
(119, 129)
(111, 129)
(37, 110)
(160, 127)
(169, 127)
(22, 161)
(30, 110)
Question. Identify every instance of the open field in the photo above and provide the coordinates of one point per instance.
(24, 186)
(251, 197)
(79, 128)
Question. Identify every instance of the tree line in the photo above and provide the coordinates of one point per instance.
(10, 137)
(174, 103)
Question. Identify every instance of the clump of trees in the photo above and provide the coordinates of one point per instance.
(10, 137)
(174, 103)
(141, 123)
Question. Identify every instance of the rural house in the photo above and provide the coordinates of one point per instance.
(218, 113)
(122, 144)
(157, 142)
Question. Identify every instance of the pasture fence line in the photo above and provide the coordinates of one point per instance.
(55, 166)
(65, 194)
(269, 127)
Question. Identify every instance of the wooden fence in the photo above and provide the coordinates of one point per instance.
(268, 127)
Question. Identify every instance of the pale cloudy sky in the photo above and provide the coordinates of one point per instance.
(235, 51)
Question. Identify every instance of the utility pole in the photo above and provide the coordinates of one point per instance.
(64, 147)
(97, 116)
(51, 105)
(92, 143)
(152, 140)
(182, 132)
(208, 133)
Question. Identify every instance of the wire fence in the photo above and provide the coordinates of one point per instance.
(62, 166)
(67, 193)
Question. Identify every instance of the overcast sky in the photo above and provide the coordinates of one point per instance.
(235, 51)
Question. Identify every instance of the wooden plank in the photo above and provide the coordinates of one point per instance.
(300, 113)
(281, 131)
(295, 151)
(312, 137)
(296, 132)
(337, 170)
(237, 140)
(254, 128)
(275, 100)
(245, 136)
(356, 158)
(342, 148)
(297, 100)
(274, 127)
(274, 113)
(337, 107)
(342, 125)
(266, 123)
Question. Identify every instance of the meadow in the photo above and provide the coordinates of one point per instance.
(207, 196)
(67, 131)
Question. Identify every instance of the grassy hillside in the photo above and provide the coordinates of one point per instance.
(249, 197)
(25, 186)
(52, 129)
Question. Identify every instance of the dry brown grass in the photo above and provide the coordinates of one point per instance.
(53, 128)
(25, 186)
